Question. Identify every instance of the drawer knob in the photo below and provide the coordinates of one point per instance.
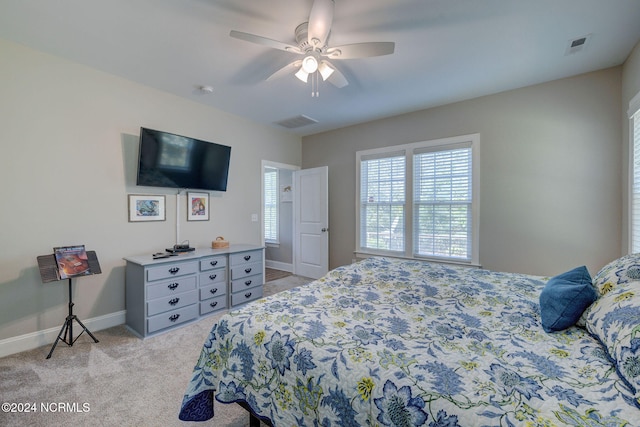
(247, 295)
(174, 317)
(174, 270)
(247, 270)
(213, 276)
(214, 290)
(173, 286)
(248, 282)
(174, 301)
(247, 257)
(214, 263)
(213, 304)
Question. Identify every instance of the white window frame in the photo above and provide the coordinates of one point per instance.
(408, 150)
(634, 175)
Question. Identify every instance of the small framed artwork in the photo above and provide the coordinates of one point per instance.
(146, 208)
(198, 206)
(286, 193)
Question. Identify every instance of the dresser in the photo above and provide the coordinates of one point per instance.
(169, 292)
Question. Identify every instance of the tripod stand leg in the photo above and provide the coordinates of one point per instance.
(67, 328)
(62, 331)
(85, 329)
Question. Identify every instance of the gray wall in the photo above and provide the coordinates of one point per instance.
(550, 159)
(69, 138)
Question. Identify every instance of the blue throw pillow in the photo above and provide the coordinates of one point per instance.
(564, 299)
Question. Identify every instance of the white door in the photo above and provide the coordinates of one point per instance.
(311, 231)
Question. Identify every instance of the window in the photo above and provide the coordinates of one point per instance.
(420, 200)
(382, 202)
(442, 203)
(270, 204)
(634, 138)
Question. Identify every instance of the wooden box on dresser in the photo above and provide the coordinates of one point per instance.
(169, 292)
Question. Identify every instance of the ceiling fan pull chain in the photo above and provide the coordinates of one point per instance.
(314, 84)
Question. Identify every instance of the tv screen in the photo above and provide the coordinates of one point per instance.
(174, 161)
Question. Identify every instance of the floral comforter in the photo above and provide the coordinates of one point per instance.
(407, 343)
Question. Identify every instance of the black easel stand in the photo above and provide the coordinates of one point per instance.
(49, 273)
(67, 328)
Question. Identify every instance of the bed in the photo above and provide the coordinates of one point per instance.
(404, 343)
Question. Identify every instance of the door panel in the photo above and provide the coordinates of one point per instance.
(312, 222)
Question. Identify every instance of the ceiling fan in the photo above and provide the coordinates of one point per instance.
(312, 44)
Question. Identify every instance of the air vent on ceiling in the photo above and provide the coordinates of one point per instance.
(578, 44)
(296, 122)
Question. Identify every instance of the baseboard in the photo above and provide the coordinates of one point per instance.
(277, 265)
(37, 339)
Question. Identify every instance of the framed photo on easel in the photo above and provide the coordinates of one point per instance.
(197, 206)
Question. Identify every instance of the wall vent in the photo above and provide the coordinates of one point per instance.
(296, 122)
(578, 44)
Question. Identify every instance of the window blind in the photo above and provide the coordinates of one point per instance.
(635, 190)
(271, 204)
(442, 199)
(382, 203)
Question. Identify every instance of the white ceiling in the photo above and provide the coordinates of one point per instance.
(445, 50)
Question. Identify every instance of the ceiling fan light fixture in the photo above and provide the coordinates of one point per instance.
(325, 70)
(309, 64)
(302, 75)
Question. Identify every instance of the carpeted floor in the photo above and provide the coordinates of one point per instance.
(120, 381)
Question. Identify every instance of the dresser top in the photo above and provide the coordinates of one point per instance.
(147, 260)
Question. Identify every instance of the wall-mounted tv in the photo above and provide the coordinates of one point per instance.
(174, 161)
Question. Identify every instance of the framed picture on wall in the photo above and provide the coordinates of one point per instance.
(286, 193)
(146, 208)
(197, 206)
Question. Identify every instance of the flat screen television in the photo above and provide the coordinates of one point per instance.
(174, 161)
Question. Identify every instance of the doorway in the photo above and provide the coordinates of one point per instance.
(295, 219)
(277, 215)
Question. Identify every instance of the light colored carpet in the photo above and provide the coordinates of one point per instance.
(119, 381)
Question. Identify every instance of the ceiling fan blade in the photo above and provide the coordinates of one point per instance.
(286, 70)
(336, 78)
(320, 20)
(360, 50)
(252, 38)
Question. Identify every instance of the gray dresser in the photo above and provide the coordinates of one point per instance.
(169, 292)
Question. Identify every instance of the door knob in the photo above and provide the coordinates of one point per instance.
(324, 230)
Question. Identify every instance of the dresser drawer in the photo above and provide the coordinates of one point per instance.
(213, 262)
(213, 276)
(171, 302)
(214, 290)
(172, 318)
(171, 287)
(169, 270)
(213, 304)
(245, 258)
(246, 296)
(245, 270)
(246, 283)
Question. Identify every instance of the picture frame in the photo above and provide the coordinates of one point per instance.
(286, 193)
(143, 208)
(197, 206)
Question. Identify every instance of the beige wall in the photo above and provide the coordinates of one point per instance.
(68, 139)
(630, 88)
(550, 157)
